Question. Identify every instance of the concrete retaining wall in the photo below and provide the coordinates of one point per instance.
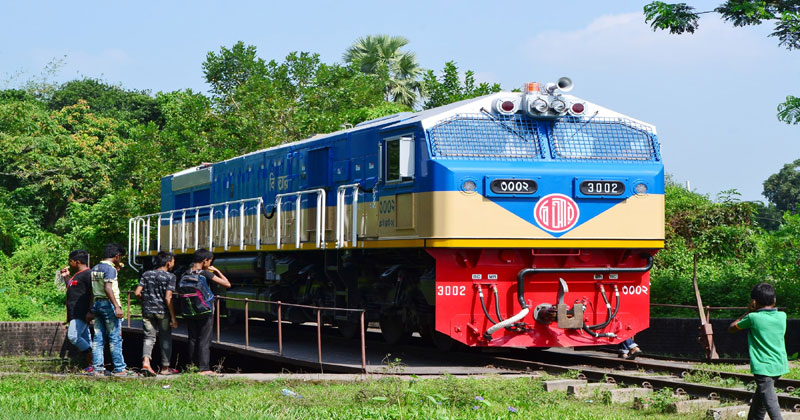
(678, 336)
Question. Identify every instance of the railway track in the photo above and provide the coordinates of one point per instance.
(594, 366)
(647, 374)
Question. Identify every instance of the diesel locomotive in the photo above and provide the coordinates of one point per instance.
(526, 219)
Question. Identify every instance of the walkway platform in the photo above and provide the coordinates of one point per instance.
(339, 355)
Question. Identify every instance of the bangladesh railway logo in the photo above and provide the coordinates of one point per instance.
(556, 213)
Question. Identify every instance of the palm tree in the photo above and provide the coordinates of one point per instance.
(380, 55)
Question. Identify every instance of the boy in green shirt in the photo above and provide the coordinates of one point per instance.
(768, 360)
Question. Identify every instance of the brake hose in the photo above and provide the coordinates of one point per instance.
(497, 303)
(483, 305)
(611, 315)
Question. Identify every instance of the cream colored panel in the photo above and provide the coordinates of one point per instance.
(405, 213)
(460, 215)
(638, 217)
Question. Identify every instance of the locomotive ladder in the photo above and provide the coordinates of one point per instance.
(341, 197)
(139, 227)
(321, 206)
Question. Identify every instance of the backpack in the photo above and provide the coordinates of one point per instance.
(197, 300)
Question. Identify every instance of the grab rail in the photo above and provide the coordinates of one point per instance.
(321, 206)
(139, 228)
(341, 197)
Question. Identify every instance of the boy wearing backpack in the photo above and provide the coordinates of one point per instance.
(197, 306)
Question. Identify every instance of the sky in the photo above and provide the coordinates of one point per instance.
(712, 95)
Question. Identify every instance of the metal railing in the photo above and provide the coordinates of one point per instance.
(280, 306)
(341, 197)
(321, 208)
(139, 227)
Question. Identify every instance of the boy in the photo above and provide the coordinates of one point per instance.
(155, 290)
(768, 360)
(200, 328)
(107, 311)
(79, 301)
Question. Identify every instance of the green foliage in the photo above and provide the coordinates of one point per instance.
(783, 188)
(107, 101)
(678, 18)
(397, 70)
(448, 88)
(789, 111)
(27, 280)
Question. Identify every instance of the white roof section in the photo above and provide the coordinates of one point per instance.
(433, 116)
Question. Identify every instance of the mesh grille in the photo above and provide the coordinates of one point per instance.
(602, 138)
(479, 136)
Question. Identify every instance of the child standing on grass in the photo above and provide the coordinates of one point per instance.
(767, 348)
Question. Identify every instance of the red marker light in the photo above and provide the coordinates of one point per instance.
(507, 106)
(578, 108)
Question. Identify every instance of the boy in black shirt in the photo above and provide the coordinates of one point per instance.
(79, 301)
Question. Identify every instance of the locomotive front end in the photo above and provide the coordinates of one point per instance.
(546, 213)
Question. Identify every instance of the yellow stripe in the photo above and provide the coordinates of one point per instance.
(543, 243)
(453, 243)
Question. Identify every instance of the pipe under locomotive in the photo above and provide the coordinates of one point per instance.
(515, 219)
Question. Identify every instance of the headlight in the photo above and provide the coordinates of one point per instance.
(641, 189)
(469, 186)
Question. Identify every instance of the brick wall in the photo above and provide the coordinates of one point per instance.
(41, 339)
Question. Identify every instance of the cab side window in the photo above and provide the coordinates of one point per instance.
(399, 158)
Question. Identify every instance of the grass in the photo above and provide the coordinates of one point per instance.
(35, 364)
(191, 396)
(794, 370)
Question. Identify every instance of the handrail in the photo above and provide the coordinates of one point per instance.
(280, 305)
(321, 208)
(139, 227)
(341, 196)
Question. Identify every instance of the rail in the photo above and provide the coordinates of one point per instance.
(321, 206)
(341, 197)
(139, 227)
(280, 306)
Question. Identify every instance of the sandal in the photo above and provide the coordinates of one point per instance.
(148, 372)
(169, 371)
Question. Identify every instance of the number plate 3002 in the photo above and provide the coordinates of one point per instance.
(513, 186)
(602, 188)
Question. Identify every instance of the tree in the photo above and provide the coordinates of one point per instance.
(262, 103)
(108, 100)
(783, 188)
(448, 88)
(680, 18)
(380, 55)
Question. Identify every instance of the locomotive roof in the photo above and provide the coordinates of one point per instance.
(430, 117)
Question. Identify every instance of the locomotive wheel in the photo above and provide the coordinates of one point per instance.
(349, 329)
(394, 330)
(441, 341)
